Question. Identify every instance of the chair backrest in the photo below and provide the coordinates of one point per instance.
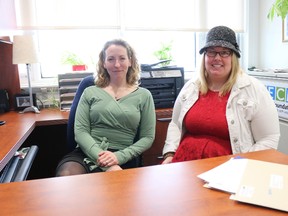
(86, 82)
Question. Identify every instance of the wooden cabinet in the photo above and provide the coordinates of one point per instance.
(9, 72)
(153, 156)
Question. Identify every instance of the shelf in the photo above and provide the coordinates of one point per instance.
(68, 85)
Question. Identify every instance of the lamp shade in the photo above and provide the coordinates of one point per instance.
(24, 50)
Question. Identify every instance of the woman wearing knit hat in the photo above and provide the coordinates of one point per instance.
(225, 111)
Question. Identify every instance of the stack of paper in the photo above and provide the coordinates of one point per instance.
(251, 181)
(226, 176)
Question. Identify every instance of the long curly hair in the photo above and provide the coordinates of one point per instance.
(133, 74)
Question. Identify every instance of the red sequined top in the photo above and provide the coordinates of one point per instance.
(207, 130)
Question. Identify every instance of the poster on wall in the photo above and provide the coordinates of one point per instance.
(278, 89)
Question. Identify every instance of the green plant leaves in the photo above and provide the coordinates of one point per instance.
(71, 59)
(279, 8)
(164, 53)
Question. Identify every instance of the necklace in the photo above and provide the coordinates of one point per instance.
(117, 94)
(120, 93)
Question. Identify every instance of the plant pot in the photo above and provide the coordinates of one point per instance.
(79, 67)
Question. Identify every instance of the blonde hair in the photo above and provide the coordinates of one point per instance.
(226, 88)
(133, 74)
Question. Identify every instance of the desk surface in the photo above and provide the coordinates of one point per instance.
(19, 126)
(172, 189)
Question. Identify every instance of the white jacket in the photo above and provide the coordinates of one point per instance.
(251, 114)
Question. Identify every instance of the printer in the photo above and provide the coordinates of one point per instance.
(164, 83)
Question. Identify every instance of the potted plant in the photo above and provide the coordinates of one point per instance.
(279, 8)
(74, 60)
(164, 53)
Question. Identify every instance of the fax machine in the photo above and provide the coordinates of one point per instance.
(164, 84)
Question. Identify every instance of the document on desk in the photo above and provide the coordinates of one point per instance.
(264, 184)
(225, 177)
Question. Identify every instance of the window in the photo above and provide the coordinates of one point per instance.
(83, 27)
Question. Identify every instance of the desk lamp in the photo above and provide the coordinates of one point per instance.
(25, 52)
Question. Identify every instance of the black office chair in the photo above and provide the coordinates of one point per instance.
(71, 143)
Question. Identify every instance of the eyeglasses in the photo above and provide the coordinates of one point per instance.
(223, 54)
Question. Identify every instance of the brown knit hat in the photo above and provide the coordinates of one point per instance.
(221, 36)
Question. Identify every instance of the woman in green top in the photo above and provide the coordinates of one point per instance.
(115, 119)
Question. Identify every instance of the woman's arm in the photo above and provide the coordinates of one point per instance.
(265, 124)
(174, 131)
(82, 128)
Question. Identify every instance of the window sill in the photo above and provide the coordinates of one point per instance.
(47, 82)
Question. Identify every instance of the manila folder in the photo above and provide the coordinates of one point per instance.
(264, 184)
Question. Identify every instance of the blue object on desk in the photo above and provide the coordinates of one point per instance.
(238, 157)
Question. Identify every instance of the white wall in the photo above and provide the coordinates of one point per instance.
(283, 143)
(273, 53)
(265, 49)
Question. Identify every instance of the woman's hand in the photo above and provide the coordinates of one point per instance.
(168, 160)
(107, 159)
(114, 168)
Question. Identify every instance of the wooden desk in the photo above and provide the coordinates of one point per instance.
(172, 189)
(19, 126)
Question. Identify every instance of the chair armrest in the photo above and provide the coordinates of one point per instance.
(27, 162)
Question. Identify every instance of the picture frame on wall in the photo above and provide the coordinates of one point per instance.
(23, 100)
(285, 29)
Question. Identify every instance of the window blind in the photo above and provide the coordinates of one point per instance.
(184, 15)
